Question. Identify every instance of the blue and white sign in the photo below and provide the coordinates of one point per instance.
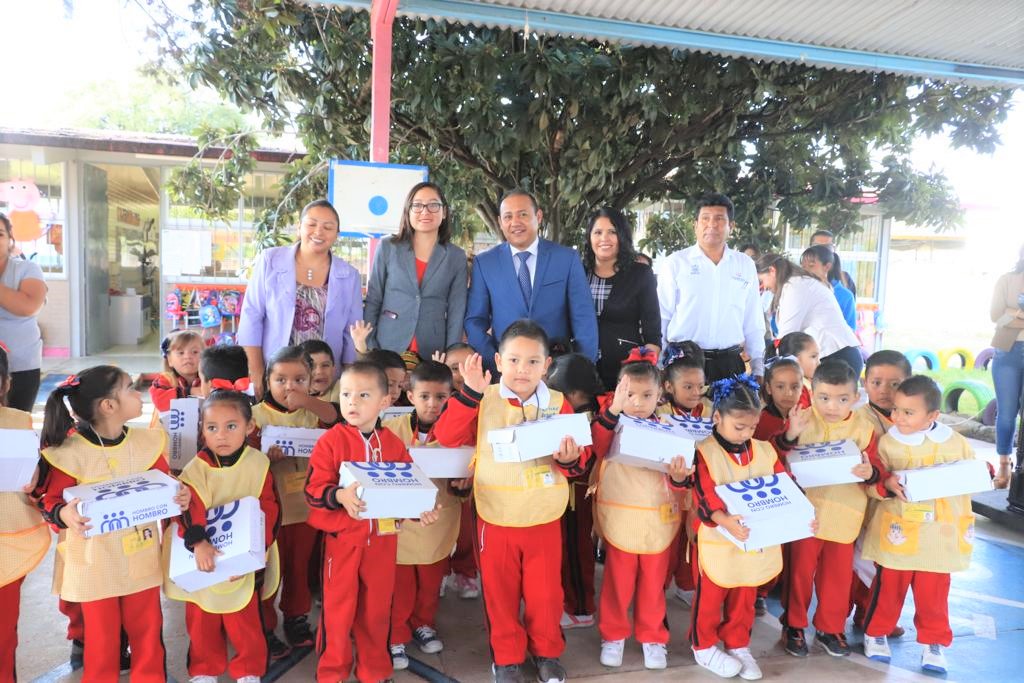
(125, 502)
(370, 197)
(391, 490)
(825, 463)
(182, 424)
(774, 509)
(652, 445)
(237, 530)
(294, 442)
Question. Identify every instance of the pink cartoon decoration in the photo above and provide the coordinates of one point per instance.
(21, 197)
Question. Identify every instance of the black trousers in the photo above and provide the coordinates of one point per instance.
(24, 387)
(722, 365)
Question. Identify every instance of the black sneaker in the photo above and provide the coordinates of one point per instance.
(795, 643)
(276, 648)
(549, 670)
(834, 643)
(507, 673)
(126, 659)
(760, 606)
(298, 632)
(77, 658)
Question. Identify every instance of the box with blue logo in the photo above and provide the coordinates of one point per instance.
(825, 463)
(774, 509)
(652, 445)
(238, 531)
(294, 442)
(391, 490)
(126, 501)
(18, 459)
(182, 424)
(538, 438)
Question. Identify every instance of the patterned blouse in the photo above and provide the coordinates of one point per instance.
(310, 304)
(600, 289)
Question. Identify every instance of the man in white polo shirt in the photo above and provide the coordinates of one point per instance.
(709, 295)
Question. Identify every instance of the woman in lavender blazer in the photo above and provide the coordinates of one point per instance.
(301, 292)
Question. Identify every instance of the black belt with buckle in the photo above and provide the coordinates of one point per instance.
(718, 353)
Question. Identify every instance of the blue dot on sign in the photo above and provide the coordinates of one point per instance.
(378, 205)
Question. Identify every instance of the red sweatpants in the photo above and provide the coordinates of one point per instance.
(295, 544)
(359, 580)
(825, 568)
(139, 615)
(682, 563)
(860, 598)
(578, 551)
(463, 559)
(76, 625)
(627, 575)
(10, 605)
(208, 641)
(721, 614)
(521, 565)
(931, 603)
(417, 592)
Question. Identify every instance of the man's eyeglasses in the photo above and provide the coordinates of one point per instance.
(431, 207)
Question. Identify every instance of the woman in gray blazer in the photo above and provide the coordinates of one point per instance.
(416, 296)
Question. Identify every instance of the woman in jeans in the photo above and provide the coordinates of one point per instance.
(1008, 365)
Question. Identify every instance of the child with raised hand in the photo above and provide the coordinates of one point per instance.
(884, 371)
(226, 470)
(359, 555)
(823, 565)
(24, 536)
(454, 356)
(287, 403)
(916, 545)
(684, 383)
(576, 377)
(519, 505)
(639, 516)
(802, 346)
(324, 384)
(423, 551)
(782, 389)
(180, 377)
(116, 576)
(727, 579)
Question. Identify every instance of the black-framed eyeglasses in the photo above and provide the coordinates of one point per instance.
(431, 207)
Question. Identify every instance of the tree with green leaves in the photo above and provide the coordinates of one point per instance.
(583, 123)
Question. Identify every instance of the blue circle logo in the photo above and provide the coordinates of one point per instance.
(372, 475)
(378, 205)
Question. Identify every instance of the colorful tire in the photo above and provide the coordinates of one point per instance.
(982, 360)
(981, 393)
(931, 360)
(988, 417)
(966, 357)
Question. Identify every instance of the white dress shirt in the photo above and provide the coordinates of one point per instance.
(541, 396)
(716, 306)
(806, 304)
(531, 262)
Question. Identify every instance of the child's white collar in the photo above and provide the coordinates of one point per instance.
(937, 433)
(541, 395)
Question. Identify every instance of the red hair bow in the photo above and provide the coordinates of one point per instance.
(70, 381)
(241, 384)
(641, 354)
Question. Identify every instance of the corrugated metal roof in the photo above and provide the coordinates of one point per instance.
(979, 40)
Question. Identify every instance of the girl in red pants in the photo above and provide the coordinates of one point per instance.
(639, 516)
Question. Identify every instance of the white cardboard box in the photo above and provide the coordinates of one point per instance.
(773, 508)
(126, 501)
(18, 458)
(296, 442)
(238, 530)
(698, 428)
(443, 463)
(651, 445)
(182, 425)
(398, 490)
(395, 411)
(948, 479)
(825, 463)
(538, 438)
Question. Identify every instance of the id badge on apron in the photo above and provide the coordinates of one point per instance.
(388, 527)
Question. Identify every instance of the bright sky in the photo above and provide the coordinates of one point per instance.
(105, 39)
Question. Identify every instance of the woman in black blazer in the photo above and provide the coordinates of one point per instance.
(625, 293)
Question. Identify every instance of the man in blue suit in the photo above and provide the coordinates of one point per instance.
(529, 277)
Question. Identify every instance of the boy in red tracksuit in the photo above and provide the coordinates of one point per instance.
(359, 555)
(518, 505)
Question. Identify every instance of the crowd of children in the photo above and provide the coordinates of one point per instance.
(508, 532)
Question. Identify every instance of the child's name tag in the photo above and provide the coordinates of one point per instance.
(919, 512)
(387, 527)
(134, 543)
(669, 512)
(539, 477)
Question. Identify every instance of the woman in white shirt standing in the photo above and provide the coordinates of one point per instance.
(803, 303)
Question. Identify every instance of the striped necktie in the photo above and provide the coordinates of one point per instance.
(524, 276)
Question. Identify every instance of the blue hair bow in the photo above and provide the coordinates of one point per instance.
(724, 388)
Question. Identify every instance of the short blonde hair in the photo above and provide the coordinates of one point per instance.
(174, 341)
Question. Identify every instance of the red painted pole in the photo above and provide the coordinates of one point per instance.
(382, 17)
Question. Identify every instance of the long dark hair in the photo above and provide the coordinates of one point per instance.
(405, 229)
(286, 354)
(83, 391)
(623, 230)
(785, 270)
(5, 375)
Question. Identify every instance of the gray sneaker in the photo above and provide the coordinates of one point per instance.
(508, 673)
(549, 670)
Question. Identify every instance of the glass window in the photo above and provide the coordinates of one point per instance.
(32, 196)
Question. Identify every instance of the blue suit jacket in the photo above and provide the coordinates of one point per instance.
(561, 301)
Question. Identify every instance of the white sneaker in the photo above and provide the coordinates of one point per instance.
(611, 652)
(685, 597)
(576, 620)
(467, 587)
(877, 648)
(750, 671)
(444, 586)
(717, 662)
(399, 660)
(248, 679)
(203, 679)
(933, 659)
(655, 656)
(427, 640)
